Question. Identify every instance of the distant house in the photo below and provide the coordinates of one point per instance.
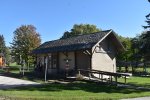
(93, 51)
(2, 60)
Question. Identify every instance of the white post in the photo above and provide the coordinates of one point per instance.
(46, 69)
(20, 59)
(20, 64)
(23, 67)
(23, 70)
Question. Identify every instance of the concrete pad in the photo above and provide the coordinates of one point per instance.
(7, 82)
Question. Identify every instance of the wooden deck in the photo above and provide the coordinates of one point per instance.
(101, 75)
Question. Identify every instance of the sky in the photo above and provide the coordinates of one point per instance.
(53, 17)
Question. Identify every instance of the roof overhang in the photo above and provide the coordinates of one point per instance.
(116, 41)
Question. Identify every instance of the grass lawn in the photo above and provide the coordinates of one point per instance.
(72, 91)
(138, 81)
(77, 90)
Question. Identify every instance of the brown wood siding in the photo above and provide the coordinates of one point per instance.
(82, 60)
(57, 62)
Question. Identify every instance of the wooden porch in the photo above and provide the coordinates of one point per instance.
(101, 74)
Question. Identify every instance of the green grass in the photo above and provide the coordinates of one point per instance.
(14, 64)
(138, 81)
(78, 90)
(73, 91)
(2, 71)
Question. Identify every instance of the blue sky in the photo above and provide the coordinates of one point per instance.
(53, 17)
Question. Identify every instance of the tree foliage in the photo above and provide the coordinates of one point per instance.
(127, 54)
(2, 44)
(147, 20)
(144, 44)
(4, 50)
(145, 39)
(80, 29)
(8, 56)
(135, 46)
(24, 41)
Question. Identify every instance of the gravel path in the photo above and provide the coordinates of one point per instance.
(7, 82)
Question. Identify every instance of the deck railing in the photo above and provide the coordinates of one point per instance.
(102, 73)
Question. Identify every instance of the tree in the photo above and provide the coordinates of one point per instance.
(144, 41)
(2, 44)
(147, 20)
(8, 56)
(126, 41)
(80, 29)
(125, 56)
(24, 41)
(4, 50)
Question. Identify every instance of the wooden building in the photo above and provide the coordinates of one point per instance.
(93, 51)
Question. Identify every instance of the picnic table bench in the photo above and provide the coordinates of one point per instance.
(7, 69)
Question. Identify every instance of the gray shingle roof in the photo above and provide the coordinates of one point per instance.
(81, 42)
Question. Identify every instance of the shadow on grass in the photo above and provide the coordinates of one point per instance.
(8, 74)
(73, 86)
(145, 85)
(79, 85)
